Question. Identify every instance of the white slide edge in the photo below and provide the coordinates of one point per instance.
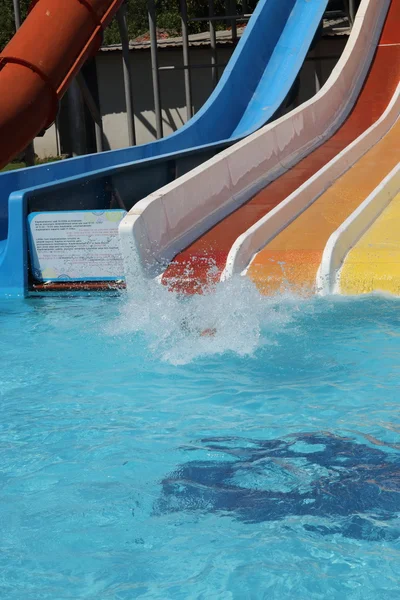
(255, 238)
(165, 222)
(352, 229)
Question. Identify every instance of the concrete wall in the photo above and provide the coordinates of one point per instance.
(48, 145)
(111, 90)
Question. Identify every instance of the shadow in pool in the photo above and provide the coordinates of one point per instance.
(354, 486)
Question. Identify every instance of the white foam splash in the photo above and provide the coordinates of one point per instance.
(178, 330)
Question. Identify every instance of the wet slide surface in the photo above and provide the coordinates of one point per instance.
(204, 260)
(256, 83)
(291, 260)
(374, 262)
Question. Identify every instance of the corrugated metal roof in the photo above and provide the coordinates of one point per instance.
(332, 27)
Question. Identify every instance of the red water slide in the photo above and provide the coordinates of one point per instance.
(204, 260)
(40, 62)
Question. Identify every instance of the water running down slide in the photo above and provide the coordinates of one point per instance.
(253, 87)
(292, 259)
(363, 254)
(374, 262)
(205, 259)
(163, 224)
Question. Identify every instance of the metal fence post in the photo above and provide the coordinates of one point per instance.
(213, 43)
(352, 10)
(154, 65)
(17, 14)
(231, 7)
(76, 119)
(123, 31)
(186, 62)
(94, 111)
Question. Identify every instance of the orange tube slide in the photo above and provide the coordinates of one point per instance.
(40, 62)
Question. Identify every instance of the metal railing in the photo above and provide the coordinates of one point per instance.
(230, 17)
(186, 66)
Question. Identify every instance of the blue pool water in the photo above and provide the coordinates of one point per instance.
(141, 460)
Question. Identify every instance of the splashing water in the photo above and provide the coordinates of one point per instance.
(229, 317)
(264, 464)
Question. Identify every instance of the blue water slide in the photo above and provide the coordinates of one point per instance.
(254, 85)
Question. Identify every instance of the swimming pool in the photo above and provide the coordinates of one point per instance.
(140, 460)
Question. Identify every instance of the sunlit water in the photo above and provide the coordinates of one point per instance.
(140, 459)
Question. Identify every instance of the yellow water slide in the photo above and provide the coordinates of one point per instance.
(294, 258)
(374, 263)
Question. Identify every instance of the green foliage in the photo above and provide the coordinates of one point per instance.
(7, 26)
(12, 166)
(168, 17)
